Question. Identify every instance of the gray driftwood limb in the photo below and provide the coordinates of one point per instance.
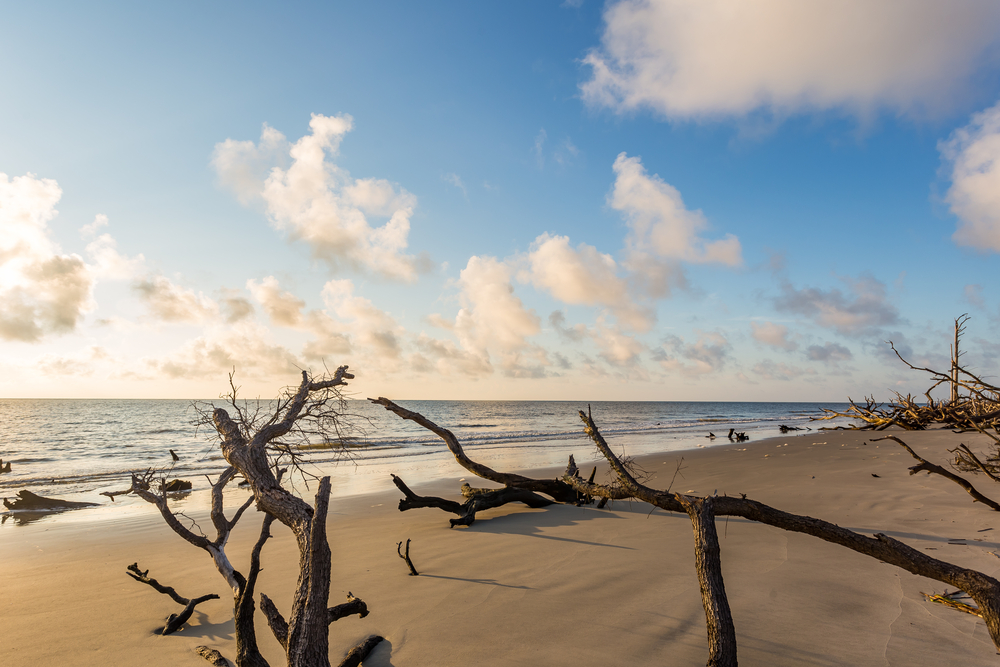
(550, 487)
(406, 557)
(928, 467)
(982, 588)
(357, 654)
(27, 500)
(212, 655)
(174, 621)
(477, 500)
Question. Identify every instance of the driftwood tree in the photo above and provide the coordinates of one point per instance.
(985, 590)
(517, 488)
(256, 440)
(973, 405)
(702, 511)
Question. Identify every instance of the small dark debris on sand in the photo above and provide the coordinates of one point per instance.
(27, 500)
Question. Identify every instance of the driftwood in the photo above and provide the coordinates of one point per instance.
(315, 405)
(212, 655)
(477, 500)
(357, 654)
(406, 557)
(177, 485)
(174, 621)
(928, 467)
(555, 488)
(4, 467)
(983, 589)
(27, 500)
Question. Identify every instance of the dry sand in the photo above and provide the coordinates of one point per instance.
(555, 586)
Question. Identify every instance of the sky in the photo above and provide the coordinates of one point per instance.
(579, 200)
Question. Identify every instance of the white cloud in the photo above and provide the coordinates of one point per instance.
(282, 308)
(662, 231)
(829, 353)
(173, 303)
(493, 318)
(862, 312)
(42, 291)
(317, 202)
(708, 354)
(456, 180)
(369, 325)
(89, 231)
(584, 276)
(774, 335)
(974, 155)
(243, 166)
(709, 58)
(245, 346)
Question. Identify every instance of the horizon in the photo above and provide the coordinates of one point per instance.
(636, 201)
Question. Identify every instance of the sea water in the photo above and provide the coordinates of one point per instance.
(76, 449)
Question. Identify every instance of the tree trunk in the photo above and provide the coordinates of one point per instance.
(708, 564)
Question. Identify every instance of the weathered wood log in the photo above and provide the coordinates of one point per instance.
(4, 467)
(478, 500)
(982, 588)
(176, 485)
(357, 654)
(212, 655)
(26, 500)
(350, 608)
(406, 557)
(928, 467)
(174, 621)
(708, 565)
(551, 487)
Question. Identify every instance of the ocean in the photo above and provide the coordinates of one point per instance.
(75, 449)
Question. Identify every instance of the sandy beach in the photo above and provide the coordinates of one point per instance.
(554, 586)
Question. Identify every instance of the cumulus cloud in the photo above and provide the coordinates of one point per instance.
(860, 312)
(42, 291)
(584, 276)
(774, 335)
(173, 303)
(245, 346)
(973, 153)
(315, 201)
(575, 333)
(829, 353)
(709, 58)
(662, 231)
(370, 326)
(494, 320)
(708, 354)
(281, 307)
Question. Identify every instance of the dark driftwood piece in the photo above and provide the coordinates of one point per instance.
(4, 467)
(708, 565)
(477, 500)
(212, 656)
(558, 489)
(27, 500)
(174, 621)
(357, 654)
(928, 467)
(406, 557)
(177, 485)
(985, 590)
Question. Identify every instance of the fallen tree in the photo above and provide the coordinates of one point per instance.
(985, 590)
(517, 488)
(257, 440)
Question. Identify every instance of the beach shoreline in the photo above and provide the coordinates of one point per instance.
(549, 586)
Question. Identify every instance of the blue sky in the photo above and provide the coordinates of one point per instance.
(671, 200)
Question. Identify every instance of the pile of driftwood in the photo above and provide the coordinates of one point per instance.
(973, 405)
